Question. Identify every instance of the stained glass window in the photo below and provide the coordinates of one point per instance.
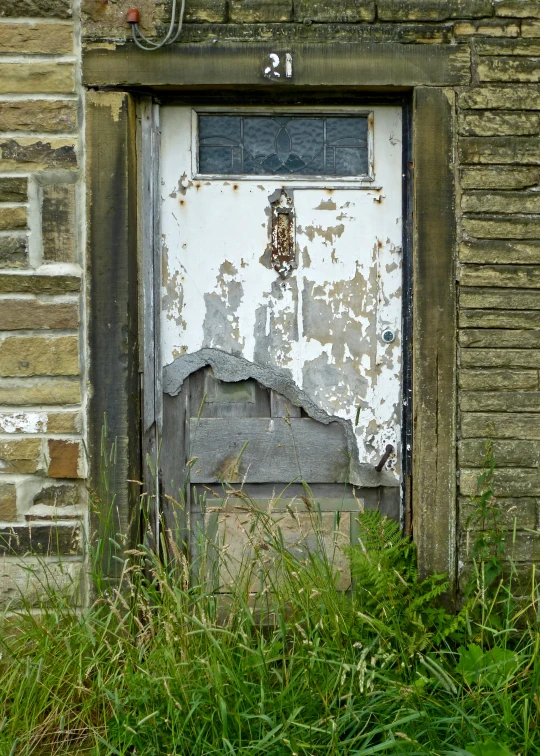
(296, 145)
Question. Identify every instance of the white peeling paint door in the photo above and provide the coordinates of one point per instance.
(330, 316)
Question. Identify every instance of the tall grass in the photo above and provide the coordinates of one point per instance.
(282, 663)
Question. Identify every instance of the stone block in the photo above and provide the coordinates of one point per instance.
(37, 78)
(509, 482)
(500, 98)
(13, 252)
(503, 252)
(12, 218)
(58, 223)
(511, 276)
(499, 338)
(26, 38)
(505, 149)
(499, 299)
(43, 513)
(507, 453)
(21, 455)
(497, 358)
(518, 8)
(499, 177)
(489, 123)
(31, 154)
(26, 314)
(205, 12)
(27, 581)
(500, 425)
(40, 422)
(523, 509)
(530, 28)
(8, 502)
(501, 202)
(65, 459)
(485, 380)
(260, 11)
(431, 10)
(39, 355)
(51, 116)
(346, 12)
(13, 189)
(520, 227)
(495, 27)
(51, 392)
(319, 33)
(44, 539)
(500, 401)
(508, 69)
(58, 496)
(499, 319)
(492, 47)
(38, 284)
(36, 8)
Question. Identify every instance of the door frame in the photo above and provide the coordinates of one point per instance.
(122, 246)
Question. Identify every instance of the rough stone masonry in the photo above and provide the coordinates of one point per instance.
(43, 321)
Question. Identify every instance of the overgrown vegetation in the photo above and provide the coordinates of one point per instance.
(284, 663)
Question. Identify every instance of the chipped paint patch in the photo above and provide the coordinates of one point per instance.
(112, 100)
(23, 422)
(321, 326)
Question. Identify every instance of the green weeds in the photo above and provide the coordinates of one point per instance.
(167, 661)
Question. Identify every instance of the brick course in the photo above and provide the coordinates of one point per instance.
(41, 391)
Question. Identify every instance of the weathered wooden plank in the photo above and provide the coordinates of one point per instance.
(277, 451)
(434, 308)
(282, 407)
(318, 504)
(173, 457)
(504, 299)
(229, 63)
(212, 398)
(113, 301)
(384, 498)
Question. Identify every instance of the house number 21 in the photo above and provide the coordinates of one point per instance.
(278, 66)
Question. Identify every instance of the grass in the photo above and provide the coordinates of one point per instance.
(283, 664)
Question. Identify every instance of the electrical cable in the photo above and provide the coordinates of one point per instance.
(169, 38)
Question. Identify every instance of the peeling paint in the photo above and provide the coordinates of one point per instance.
(113, 100)
(319, 330)
(24, 422)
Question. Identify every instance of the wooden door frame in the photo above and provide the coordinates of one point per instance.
(123, 79)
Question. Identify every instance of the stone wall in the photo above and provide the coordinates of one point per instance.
(42, 390)
(42, 462)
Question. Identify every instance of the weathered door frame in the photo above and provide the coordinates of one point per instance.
(120, 78)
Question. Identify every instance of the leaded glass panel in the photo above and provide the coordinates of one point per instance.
(295, 145)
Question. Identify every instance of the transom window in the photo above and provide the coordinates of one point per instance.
(290, 145)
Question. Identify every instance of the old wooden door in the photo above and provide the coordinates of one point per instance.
(281, 339)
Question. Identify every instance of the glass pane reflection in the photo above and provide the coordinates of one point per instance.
(295, 145)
